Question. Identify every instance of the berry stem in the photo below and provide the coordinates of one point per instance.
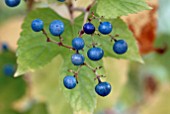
(95, 71)
(98, 78)
(78, 9)
(58, 43)
(94, 17)
(30, 4)
(76, 72)
(70, 6)
(113, 37)
(81, 33)
(45, 33)
(63, 45)
(87, 12)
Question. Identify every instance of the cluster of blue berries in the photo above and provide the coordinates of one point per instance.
(105, 28)
(56, 28)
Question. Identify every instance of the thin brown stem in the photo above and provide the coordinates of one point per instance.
(88, 11)
(95, 17)
(113, 37)
(71, 12)
(94, 70)
(30, 4)
(78, 9)
(76, 72)
(86, 15)
(63, 45)
(58, 43)
(45, 33)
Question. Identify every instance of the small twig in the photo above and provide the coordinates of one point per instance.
(71, 12)
(30, 4)
(94, 17)
(86, 15)
(76, 72)
(48, 38)
(78, 9)
(95, 71)
(58, 43)
(113, 37)
(81, 33)
(88, 11)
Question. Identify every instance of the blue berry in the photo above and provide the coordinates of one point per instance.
(69, 82)
(37, 25)
(78, 43)
(95, 53)
(89, 28)
(4, 47)
(105, 28)
(103, 88)
(77, 59)
(12, 3)
(8, 70)
(120, 47)
(56, 27)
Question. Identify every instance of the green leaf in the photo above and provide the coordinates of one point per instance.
(115, 8)
(11, 88)
(82, 112)
(39, 108)
(8, 111)
(33, 51)
(46, 87)
(83, 97)
(117, 78)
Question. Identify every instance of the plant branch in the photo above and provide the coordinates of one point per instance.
(86, 15)
(78, 9)
(88, 11)
(71, 12)
(30, 4)
(95, 17)
(58, 43)
(94, 70)
(113, 37)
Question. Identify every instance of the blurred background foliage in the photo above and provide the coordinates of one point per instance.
(139, 88)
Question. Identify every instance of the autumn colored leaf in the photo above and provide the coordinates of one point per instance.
(146, 33)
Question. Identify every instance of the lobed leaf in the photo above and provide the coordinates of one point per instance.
(115, 8)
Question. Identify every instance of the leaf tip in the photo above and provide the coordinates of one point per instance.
(18, 73)
(141, 61)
